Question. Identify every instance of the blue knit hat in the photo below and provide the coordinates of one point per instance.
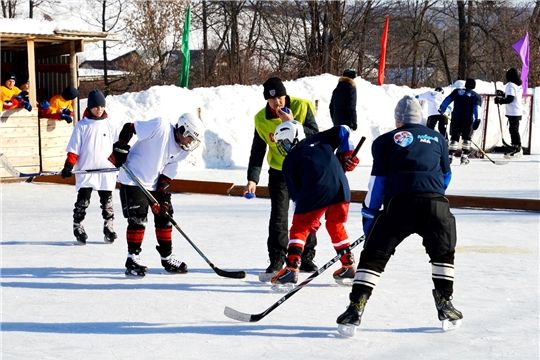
(95, 98)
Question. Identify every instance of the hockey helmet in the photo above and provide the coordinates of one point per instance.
(287, 135)
(439, 89)
(190, 126)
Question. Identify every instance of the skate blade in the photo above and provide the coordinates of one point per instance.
(82, 243)
(344, 282)
(448, 325)
(283, 287)
(134, 275)
(107, 240)
(347, 330)
(165, 272)
(266, 277)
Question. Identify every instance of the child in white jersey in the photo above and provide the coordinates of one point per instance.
(88, 149)
(154, 159)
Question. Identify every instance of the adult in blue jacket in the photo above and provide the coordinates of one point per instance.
(317, 184)
(410, 174)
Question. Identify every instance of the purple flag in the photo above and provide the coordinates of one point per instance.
(522, 48)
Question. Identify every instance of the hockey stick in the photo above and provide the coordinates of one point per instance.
(496, 162)
(16, 173)
(240, 316)
(499, 111)
(224, 273)
(357, 148)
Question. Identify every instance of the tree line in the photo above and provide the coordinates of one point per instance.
(430, 42)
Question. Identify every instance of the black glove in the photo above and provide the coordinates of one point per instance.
(497, 100)
(476, 124)
(500, 93)
(119, 154)
(354, 126)
(163, 196)
(67, 170)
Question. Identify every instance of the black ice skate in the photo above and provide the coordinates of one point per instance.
(108, 231)
(286, 279)
(464, 159)
(173, 265)
(277, 259)
(351, 318)
(307, 264)
(80, 234)
(450, 317)
(345, 275)
(514, 152)
(134, 266)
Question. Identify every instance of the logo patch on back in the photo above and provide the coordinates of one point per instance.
(403, 138)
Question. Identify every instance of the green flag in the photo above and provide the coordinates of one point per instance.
(184, 71)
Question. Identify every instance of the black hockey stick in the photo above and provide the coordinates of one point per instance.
(16, 173)
(499, 111)
(496, 162)
(357, 148)
(240, 316)
(224, 273)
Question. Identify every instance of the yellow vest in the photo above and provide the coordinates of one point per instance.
(58, 103)
(8, 94)
(266, 127)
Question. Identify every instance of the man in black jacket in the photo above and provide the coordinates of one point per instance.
(343, 103)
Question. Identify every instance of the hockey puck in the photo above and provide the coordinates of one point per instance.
(249, 195)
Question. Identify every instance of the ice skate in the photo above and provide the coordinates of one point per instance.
(464, 159)
(134, 266)
(80, 233)
(450, 317)
(351, 318)
(108, 231)
(173, 266)
(515, 152)
(286, 279)
(450, 158)
(307, 264)
(276, 264)
(345, 275)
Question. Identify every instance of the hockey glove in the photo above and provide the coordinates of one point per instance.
(476, 124)
(67, 118)
(22, 95)
(163, 196)
(349, 162)
(368, 215)
(500, 93)
(44, 105)
(119, 154)
(497, 100)
(67, 170)
(26, 105)
(354, 126)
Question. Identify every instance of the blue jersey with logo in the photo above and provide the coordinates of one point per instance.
(410, 159)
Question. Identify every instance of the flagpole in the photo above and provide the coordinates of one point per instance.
(184, 70)
(382, 62)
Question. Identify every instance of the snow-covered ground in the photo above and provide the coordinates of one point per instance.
(63, 301)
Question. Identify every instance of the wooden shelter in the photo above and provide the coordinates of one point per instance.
(49, 58)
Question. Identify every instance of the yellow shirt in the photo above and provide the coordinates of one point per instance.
(8, 94)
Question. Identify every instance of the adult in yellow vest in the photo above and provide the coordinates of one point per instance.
(279, 108)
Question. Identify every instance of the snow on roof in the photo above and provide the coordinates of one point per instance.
(44, 27)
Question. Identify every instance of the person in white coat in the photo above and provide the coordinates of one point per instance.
(430, 101)
(154, 159)
(88, 149)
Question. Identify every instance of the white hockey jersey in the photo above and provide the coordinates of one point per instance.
(154, 153)
(92, 141)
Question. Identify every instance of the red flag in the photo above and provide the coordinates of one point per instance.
(382, 63)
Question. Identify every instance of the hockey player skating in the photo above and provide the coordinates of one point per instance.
(513, 99)
(280, 107)
(318, 186)
(154, 159)
(88, 148)
(433, 100)
(410, 174)
(464, 118)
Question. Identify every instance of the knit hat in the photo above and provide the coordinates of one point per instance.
(470, 84)
(408, 110)
(350, 73)
(273, 87)
(70, 93)
(95, 98)
(9, 76)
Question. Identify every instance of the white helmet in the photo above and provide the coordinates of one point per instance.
(191, 126)
(287, 135)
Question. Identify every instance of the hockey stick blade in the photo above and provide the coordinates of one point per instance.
(7, 165)
(152, 199)
(496, 162)
(240, 316)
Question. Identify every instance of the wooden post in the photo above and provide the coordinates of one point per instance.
(316, 105)
(32, 71)
(73, 79)
(199, 112)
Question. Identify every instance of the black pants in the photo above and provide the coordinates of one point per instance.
(278, 226)
(83, 201)
(513, 127)
(434, 119)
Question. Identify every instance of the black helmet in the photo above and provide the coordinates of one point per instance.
(439, 89)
